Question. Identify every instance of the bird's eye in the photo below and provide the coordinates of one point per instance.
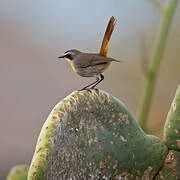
(69, 56)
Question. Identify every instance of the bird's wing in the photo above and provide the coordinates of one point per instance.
(98, 59)
(86, 60)
(107, 36)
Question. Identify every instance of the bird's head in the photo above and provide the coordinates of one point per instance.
(70, 55)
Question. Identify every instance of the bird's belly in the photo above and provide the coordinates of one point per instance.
(92, 70)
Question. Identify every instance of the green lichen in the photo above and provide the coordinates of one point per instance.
(172, 125)
(18, 172)
(93, 135)
(171, 167)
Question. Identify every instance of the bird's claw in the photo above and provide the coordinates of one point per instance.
(88, 89)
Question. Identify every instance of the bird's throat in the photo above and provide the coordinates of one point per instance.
(72, 64)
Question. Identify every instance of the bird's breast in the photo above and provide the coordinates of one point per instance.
(91, 71)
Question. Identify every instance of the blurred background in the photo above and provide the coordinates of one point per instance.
(32, 80)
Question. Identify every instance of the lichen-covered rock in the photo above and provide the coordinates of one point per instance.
(92, 135)
(172, 125)
(18, 172)
(171, 167)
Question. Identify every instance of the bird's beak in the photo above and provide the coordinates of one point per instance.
(61, 56)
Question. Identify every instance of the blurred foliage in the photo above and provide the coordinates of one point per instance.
(156, 58)
(18, 172)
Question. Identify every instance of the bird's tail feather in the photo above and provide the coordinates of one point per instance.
(107, 36)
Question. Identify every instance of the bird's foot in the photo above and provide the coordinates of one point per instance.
(88, 89)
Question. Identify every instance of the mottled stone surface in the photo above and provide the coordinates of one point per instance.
(171, 167)
(92, 135)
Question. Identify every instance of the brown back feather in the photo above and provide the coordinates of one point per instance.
(85, 60)
(107, 36)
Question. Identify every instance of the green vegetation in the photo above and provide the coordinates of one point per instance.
(18, 172)
(92, 135)
(156, 59)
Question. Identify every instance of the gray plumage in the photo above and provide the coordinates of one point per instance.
(88, 64)
(84, 60)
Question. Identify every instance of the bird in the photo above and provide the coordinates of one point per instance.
(92, 64)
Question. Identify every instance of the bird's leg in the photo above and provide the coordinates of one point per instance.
(86, 87)
(101, 78)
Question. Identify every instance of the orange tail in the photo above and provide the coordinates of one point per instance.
(107, 36)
